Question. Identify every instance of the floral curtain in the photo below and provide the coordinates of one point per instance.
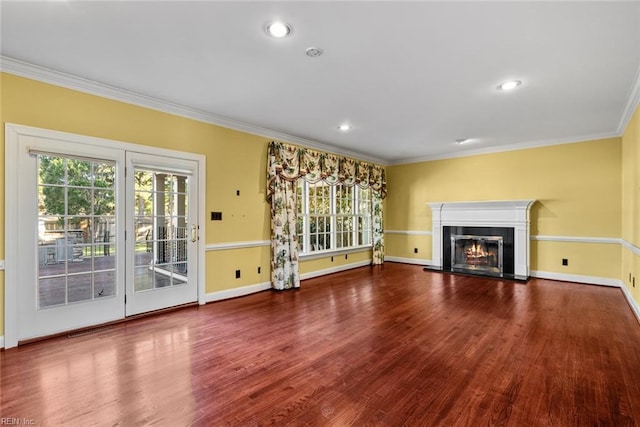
(286, 164)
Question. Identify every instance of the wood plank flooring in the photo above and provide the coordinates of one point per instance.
(374, 346)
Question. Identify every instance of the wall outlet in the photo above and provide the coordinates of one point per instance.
(415, 250)
(565, 261)
(634, 282)
(237, 274)
(346, 256)
(259, 269)
(216, 216)
(237, 192)
(331, 259)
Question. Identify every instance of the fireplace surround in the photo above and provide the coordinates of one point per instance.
(492, 237)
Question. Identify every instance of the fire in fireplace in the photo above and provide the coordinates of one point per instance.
(477, 253)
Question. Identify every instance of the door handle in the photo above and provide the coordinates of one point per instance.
(194, 233)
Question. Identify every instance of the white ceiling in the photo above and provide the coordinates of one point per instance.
(410, 77)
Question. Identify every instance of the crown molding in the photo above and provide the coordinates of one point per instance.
(69, 81)
(504, 148)
(632, 104)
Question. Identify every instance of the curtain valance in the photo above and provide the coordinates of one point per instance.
(290, 162)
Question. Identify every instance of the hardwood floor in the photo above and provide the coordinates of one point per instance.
(390, 345)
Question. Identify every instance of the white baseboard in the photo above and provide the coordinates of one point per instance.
(237, 292)
(589, 280)
(2, 342)
(408, 260)
(632, 303)
(334, 269)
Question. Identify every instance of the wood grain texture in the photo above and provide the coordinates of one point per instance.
(388, 345)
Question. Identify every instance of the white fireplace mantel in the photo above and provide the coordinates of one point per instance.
(498, 213)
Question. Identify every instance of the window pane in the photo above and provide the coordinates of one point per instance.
(104, 284)
(104, 202)
(364, 230)
(79, 173)
(79, 201)
(52, 170)
(104, 175)
(143, 203)
(52, 291)
(321, 224)
(344, 199)
(319, 198)
(51, 200)
(80, 287)
(364, 201)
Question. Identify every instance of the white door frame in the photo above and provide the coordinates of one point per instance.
(13, 134)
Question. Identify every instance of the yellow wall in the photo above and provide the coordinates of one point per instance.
(222, 266)
(403, 246)
(336, 261)
(578, 188)
(631, 205)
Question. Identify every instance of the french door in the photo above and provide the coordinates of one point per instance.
(162, 219)
(101, 232)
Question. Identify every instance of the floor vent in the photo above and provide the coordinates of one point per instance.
(89, 332)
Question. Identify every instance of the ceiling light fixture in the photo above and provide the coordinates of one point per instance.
(313, 52)
(278, 29)
(509, 85)
(344, 127)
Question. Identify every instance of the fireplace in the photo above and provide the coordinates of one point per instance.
(489, 238)
(477, 253)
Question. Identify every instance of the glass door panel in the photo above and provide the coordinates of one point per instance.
(76, 230)
(160, 229)
(162, 274)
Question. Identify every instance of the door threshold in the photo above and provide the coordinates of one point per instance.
(104, 327)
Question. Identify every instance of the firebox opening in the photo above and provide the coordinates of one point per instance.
(477, 263)
(477, 253)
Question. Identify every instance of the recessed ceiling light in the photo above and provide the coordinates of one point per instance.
(509, 85)
(344, 127)
(278, 29)
(461, 140)
(313, 52)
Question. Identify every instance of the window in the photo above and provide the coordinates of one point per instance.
(332, 217)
